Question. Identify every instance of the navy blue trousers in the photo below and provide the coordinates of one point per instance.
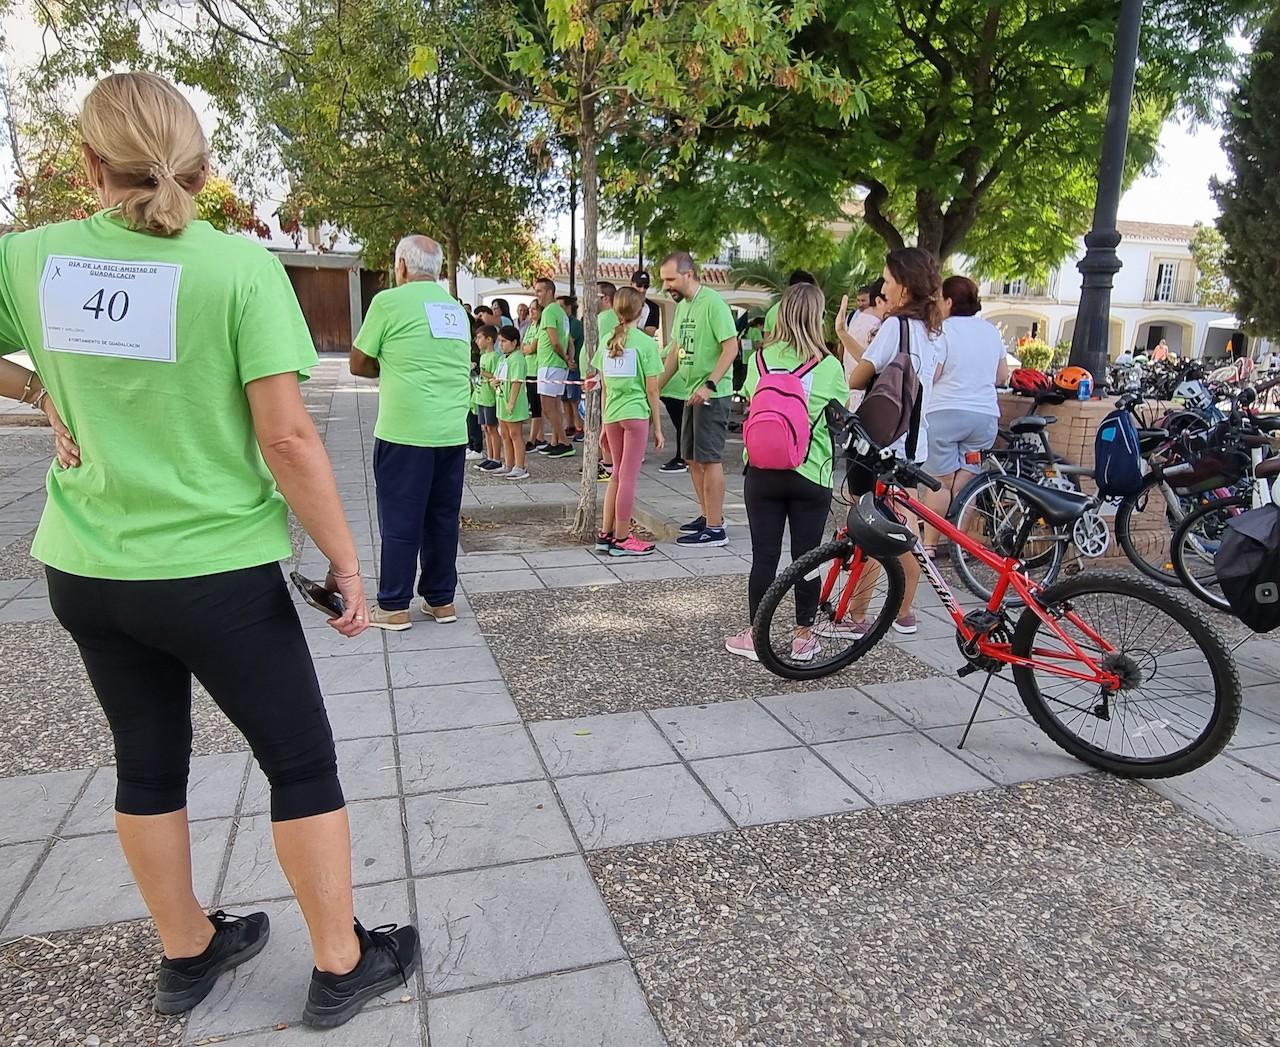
(419, 498)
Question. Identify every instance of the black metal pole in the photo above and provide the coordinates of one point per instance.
(640, 251)
(573, 228)
(1091, 338)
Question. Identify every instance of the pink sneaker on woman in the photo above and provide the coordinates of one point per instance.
(803, 648)
(631, 546)
(742, 645)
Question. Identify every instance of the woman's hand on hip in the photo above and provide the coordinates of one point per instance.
(355, 618)
(64, 445)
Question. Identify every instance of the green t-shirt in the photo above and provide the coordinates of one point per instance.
(424, 376)
(605, 324)
(145, 344)
(512, 371)
(625, 387)
(825, 383)
(771, 317)
(553, 319)
(487, 395)
(702, 323)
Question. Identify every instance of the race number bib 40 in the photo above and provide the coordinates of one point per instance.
(448, 321)
(102, 307)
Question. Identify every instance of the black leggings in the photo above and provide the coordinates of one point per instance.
(675, 411)
(239, 634)
(776, 498)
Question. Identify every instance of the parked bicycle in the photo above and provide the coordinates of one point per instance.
(1119, 672)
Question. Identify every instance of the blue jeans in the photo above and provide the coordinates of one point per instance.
(419, 498)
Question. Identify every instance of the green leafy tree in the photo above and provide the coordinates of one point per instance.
(1208, 251)
(1250, 198)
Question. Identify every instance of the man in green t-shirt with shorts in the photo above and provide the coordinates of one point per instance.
(554, 356)
(416, 339)
(703, 347)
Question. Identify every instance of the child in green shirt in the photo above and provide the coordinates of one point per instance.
(487, 398)
(513, 404)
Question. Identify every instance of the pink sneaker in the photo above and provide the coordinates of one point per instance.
(906, 624)
(803, 648)
(742, 645)
(846, 630)
(631, 546)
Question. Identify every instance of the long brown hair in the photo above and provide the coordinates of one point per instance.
(627, 304)
(917, 271)
(800, 315)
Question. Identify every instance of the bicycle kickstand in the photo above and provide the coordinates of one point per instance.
(974, 715)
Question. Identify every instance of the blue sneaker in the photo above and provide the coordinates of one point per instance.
(711, 537)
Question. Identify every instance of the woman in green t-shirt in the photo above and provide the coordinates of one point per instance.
(798, 498)
(173, 354)
(629, 366)
(513, 404)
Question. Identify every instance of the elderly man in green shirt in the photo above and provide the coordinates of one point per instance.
(416, 339)
(703, 347)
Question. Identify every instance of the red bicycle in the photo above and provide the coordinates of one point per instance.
(1119, 672)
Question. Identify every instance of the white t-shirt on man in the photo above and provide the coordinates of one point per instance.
(927, 351)
(973, 350)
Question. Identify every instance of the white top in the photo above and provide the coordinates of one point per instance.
(927, 351)
(971, 357)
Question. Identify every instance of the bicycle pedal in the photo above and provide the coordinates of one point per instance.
(982, 620)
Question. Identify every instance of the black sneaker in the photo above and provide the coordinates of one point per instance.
(694, 526)
(543, 447)
(563, 451)
(708, 536)
(531, 446)
(489, 466)
(676, 465)
(579, 436)
(388, 955)
(181, 984)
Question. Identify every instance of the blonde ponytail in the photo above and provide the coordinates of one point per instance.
(151, 146)
(627, 304)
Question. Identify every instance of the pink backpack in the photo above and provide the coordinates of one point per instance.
(777, 432)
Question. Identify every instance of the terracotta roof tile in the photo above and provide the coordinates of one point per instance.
(1162, 231)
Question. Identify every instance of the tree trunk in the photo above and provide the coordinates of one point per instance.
(584, 520)
(451, 252)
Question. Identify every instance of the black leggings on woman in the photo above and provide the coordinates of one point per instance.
(239, 634)
(776, 498)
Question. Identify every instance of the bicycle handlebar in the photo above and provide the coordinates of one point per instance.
(885, 464)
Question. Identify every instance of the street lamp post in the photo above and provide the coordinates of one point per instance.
(1100, 263)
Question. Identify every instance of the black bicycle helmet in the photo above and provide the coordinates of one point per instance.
(875, 533)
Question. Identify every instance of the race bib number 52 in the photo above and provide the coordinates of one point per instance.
(102, 307)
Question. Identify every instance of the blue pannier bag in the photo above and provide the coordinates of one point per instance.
(1117, 461)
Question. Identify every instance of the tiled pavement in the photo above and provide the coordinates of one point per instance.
(477, 825)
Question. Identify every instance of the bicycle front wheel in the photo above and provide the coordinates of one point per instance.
(826, 610)
(992, 513)
(1179, 697)
(1144, 527)
(1195, 544)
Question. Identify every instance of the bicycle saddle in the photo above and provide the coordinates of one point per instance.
(1032, 423)
(1057, 506)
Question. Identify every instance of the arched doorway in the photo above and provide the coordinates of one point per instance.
(1014, 325)
(1175, 333)
(1115, 335)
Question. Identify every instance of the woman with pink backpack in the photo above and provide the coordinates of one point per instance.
(789, 456)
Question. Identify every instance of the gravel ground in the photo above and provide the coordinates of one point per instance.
(642, 645)
(84, 987)
(1079, 911)
(16, 561)
(30, 444)
(49, 716)
(541, 470)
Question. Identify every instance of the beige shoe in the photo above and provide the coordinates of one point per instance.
(392, 621)
(443, 614)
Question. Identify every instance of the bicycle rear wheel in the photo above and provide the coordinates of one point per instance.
(1195, 544)
(857, 599)
(992, 513)
(1179, 699)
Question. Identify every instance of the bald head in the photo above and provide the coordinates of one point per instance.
(418, 257)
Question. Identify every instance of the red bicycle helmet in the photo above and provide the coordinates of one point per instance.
(1069, 378)
(1029, 381)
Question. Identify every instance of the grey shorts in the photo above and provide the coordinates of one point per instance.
(704, 430)
(487, 415)
(952, 434)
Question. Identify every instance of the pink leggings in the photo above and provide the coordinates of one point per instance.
(626, 442)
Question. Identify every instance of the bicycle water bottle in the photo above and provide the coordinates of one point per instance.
(1085, 392)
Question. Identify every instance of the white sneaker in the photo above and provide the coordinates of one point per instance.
(474, 456)
(516, 474)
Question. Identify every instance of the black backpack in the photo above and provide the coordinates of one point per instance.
(1248, 567)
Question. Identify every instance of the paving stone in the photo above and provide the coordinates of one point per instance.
(376, 853)
(574, 577)
(592, 744)
(16, 861)
(561, 558)
(673, 551)
(271, 988)
(366, 769)
(24, 610)
(85, 881)
(431, 668)
(487, 826)
(495, 925)
(1265, 843)
(454, 705)
(936, 702)
(352, 672)
(329, 643)
(213, 790)
(1265, 758)
(443, 760)
(360, 714)
(487, 563)
(428, 635)
(1263, 701)
(32, 805)
(898, 768)
(645, 569)
(1009, 751)
(501, 581)
(721, 729)
(11, 587)
(719, 565)
(832, 716)
(395, 1025)
(783, 785)
(1237, 799)
(599, 1007)
(639, 805)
